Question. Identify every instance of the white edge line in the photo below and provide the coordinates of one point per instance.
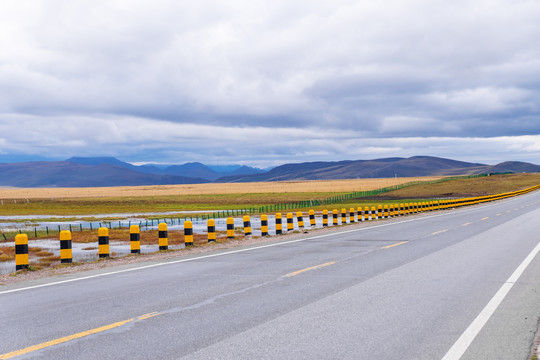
(203, 257)
(196, 258)
(466, 339)
(235, 251)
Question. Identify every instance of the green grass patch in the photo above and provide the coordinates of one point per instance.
(462, 188)
(91, 206)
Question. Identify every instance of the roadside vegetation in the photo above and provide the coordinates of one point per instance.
(488, 185)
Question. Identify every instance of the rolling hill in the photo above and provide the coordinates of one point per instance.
(97, 172)
(380, 168)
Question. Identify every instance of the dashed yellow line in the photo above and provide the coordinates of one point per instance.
(485, 218)
(439, 232)
(148, 316)
(499, 214)
(74, 336)
(309, 268)
(391, 246)
(467, 224)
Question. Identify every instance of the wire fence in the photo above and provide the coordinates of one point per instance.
(266, 209)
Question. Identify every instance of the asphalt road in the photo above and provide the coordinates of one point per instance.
(405, 288)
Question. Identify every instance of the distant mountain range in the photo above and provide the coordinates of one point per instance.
(191, 170)
(108, 171)
(381, 168)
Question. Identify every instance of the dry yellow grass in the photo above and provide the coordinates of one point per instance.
(209, 189)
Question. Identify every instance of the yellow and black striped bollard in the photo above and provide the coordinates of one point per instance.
(343, 216)
(312, 222)
(103, 242)
(211, 228)
(188, 233)
(230, 228)
(379, 212)
(21, 252)
(264, 225)
(247, 225)
(351, 214)
(279, 224)
(66, 254)
(300, 219)
(361, 214)
(290, 222)
(163, 236)
(325, 218)
(135, 239)
(334, 217)
(385, 214)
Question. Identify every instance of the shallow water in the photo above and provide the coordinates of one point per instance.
(82, 252)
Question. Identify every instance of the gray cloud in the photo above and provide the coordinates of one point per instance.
(300, 80)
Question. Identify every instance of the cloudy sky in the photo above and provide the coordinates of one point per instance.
(268, 82)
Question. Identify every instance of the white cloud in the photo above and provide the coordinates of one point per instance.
(147, 140)
(282, 79)
(480, 100)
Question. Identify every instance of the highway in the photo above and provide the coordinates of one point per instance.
(406, 288)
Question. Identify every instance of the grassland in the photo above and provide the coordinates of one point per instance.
(200, 197)
(489, 185)
(86, 202)
(315, 186)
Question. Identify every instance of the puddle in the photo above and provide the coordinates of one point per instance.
(120, 215)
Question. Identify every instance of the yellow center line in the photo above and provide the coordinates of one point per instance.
(467, 224)
(74, 336)
(499, 214)
(439, 232)
(391, 246)
(309, 268)
(485, 218)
